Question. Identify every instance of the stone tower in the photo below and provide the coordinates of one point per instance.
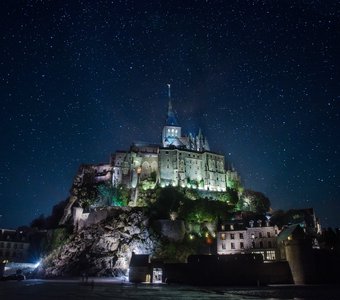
(171, 134)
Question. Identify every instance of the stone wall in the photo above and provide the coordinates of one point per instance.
(82, 220)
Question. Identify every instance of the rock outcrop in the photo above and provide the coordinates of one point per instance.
(103, 249)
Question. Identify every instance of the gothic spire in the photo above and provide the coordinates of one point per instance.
(171, 117)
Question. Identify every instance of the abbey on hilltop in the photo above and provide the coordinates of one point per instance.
(181, 160)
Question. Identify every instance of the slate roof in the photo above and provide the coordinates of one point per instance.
(288, 231)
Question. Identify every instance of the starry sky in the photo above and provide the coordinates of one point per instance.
(81, 79)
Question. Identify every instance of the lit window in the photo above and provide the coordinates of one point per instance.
(222, 236)
(270, 255)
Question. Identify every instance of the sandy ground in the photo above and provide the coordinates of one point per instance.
(109, 289)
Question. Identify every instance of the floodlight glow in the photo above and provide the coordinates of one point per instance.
(37, 264)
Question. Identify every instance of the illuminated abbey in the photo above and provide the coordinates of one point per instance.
(180, 160)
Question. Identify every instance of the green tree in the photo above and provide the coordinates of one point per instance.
(230, 196)
(110, 195)
(169, 199)
(203, 210)
(58, 238)
(86, 194)
(255, 201)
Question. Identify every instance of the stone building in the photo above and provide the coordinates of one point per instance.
(14, 245)
(189, 168)
(180, 160)
(139, 163)
(239, 239)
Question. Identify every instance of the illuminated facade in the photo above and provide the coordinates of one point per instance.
(140, 163)
(180, 161)
(238, 239)
(13, 245)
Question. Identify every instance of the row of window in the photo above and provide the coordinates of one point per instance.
(223, 236)
(9, 237)
(8, 254)
(262, 245)
(261, 235)
(189, 155)
(233, 246)
(172, 130)
(232, 236)
(267, 255)
(8, 246)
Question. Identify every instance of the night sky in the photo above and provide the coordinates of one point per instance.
(81, 79)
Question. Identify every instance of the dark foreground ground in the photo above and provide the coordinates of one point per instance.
(106, 289)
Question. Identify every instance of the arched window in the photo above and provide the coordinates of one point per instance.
(154, 166)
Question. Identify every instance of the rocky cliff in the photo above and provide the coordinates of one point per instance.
(103, 249)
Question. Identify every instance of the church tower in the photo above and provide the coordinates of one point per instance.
(171, 134)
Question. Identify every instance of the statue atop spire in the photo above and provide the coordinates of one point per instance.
(169, 91)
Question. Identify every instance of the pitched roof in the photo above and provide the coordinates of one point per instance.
(288, 231)
(171, 117)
